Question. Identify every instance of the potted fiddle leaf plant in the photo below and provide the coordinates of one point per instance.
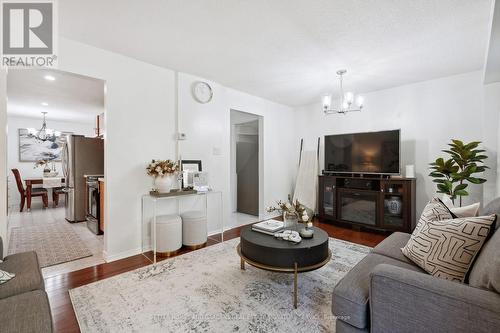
(453, 174)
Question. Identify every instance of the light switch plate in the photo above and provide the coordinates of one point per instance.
(216, 151)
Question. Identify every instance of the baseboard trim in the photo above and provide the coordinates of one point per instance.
(229, 227)
(121, 255)
(214, 232)
(136, 251)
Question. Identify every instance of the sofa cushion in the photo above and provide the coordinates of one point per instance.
(343, 327)
(391, 246)
(28, 275)
(486, 270)
(492, 208)
(28, 312)
(350, 295)
(464, 211)
(447, 249)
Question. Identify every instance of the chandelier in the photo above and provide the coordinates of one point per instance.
(44, 133)
(346, 102)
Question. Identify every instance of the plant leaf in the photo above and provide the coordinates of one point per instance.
(461, 193)
(436, 175)
(474, 180)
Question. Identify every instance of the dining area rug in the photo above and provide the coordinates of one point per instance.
(54, 243)
(206, 291)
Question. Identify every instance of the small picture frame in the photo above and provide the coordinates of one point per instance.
(200, 181)
(189, 168)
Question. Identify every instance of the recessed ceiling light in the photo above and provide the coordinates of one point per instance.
(49, 78)
(45, 104)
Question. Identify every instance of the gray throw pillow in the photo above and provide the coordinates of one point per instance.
(486, 270)
(5, 276)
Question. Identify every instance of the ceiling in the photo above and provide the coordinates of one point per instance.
(289, 50)
(70, 97)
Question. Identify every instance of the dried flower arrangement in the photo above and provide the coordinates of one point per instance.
(41, 163)
(291, 208)
(160, 168)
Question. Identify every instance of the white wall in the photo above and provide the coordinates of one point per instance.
(27, 169)
(279, 142)
(208, 130)
(491, 139)
(140, 123)
(237, 118)
(3, 159)
(429, 115)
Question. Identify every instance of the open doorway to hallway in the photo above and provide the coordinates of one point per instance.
(55, 141)
(246, 167)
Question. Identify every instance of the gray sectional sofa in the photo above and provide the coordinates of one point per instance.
(386, 292)
(24, 305)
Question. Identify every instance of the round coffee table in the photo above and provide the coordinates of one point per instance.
(275, 255)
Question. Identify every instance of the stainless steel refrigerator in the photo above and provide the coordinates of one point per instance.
(80, 156)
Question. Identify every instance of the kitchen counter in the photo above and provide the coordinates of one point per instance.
(98, 175)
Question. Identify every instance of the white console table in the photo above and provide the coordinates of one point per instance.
(155, 200)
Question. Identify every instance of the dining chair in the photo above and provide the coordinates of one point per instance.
(35, 192)
(56, 191)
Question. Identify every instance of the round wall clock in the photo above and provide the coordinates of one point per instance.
(202, 92)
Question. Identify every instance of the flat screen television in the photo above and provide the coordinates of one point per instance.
(364, 153)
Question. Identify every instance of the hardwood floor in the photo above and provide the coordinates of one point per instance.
(57, 287)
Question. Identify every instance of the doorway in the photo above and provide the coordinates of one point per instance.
(246, 166)
(49, 111)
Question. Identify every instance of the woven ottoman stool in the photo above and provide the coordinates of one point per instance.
(168, 235)
(194, 229)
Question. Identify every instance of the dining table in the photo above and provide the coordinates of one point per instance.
(30, 181)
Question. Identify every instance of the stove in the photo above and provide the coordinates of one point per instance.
(93, 204)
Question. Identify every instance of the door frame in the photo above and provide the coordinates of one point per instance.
(233, 179)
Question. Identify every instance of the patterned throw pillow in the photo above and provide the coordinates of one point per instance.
(5, 276)
(435, 210)
(447, 248)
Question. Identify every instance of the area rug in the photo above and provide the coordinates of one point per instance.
(54, 243)
(205, 291)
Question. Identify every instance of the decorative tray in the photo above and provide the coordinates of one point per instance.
(172, 193)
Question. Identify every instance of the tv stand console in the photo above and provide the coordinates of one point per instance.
(386, 204)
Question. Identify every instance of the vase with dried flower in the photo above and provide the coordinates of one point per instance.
(293, 212)
(164, 173)
(43, 163)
